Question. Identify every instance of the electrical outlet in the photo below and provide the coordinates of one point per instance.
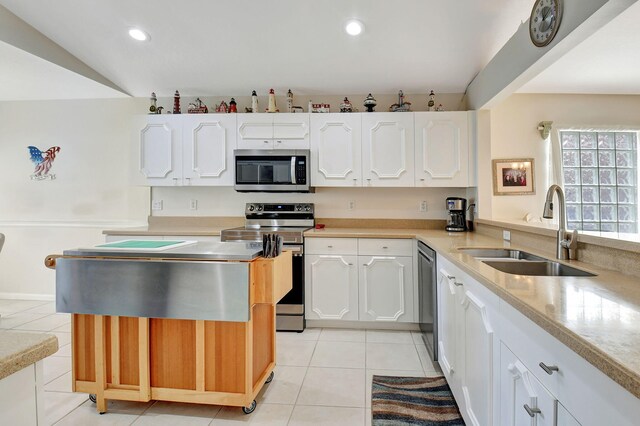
(506, 235)
(156, 205)
(352, 205)
(423, 206)
(193, 204)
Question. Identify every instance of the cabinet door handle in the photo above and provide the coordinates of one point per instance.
(279, 141)
(458, 283)
(422, 179)
(385, 247)
(175, 181)
(349, 264)
(451, 277)
(532, 411)
(266, 141)
(549, 369)
(329, 246)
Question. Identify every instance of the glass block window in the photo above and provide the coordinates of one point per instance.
(600, 173)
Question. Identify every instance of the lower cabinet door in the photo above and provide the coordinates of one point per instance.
(523, 399)
(565, 418)
(477, 354)
(447, 325)
(386, 288)
(331, 287)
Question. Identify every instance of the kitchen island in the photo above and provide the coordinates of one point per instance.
(189, 324)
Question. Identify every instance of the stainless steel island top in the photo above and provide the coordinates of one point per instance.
(200, 250)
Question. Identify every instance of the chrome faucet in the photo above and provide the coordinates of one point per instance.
(566, 243)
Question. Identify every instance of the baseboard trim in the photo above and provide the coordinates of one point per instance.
(369, 325)
(28, 296)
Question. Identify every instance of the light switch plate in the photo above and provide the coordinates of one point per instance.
(156, 205)
(506, 235)
(423, 206)
(193, 204)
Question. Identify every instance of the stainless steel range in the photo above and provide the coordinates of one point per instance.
(289, 220)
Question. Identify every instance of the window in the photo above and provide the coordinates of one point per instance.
(600, 176)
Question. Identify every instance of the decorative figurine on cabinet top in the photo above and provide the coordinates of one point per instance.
(431, 105)
(272, 102)
(232, 105)
(254, 102)
(222, 107)
(401, 106)
(153, 99)
(289, 101)
(197, 107)
(370, 103)
(176, 103)
(440, 108)
(324, 108)
(346, 105)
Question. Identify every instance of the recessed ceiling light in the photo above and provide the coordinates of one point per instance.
(138, 34)
(354, 27)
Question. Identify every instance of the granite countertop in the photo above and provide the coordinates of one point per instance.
(20, 350)
(597, 317)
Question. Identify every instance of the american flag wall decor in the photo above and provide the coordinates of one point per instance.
(43, 162)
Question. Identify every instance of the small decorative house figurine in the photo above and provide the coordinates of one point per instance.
(222, 107)
(232, 105)
(440, 108)
(401, 106)
(289, 101)
(176, 103)
(431, 105)
(370, 103)
(197, 107)
(272, 101)
(254, 102)
(153, 108)
(346, 105)
(320, 108)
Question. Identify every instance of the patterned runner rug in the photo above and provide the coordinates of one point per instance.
(413, 401)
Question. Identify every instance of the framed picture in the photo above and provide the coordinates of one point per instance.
(513, 177)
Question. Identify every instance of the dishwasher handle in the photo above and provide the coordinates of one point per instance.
(429, 256)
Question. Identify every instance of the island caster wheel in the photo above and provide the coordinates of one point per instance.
(92, 397)
(250, 408)
(270, 378)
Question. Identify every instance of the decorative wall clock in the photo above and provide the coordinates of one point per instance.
(545, 20)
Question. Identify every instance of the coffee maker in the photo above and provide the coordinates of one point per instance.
(457, 208)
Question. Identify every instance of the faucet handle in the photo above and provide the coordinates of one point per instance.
(571, 244)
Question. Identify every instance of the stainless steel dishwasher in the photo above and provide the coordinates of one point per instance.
(427, 294)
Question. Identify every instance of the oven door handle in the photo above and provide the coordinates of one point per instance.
(293, 170)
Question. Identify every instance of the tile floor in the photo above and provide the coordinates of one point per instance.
(322, 377)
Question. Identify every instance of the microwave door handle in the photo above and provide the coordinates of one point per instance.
(293, 170)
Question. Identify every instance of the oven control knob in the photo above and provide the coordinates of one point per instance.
(259, 208)
(298, 208)
(308, 208)
(251, 208)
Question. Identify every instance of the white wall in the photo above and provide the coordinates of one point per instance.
(511, 132)
(390, 203)
(91, 191)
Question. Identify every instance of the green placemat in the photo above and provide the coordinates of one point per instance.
(141, 244)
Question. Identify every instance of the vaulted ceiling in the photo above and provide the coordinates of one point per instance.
(205, 47)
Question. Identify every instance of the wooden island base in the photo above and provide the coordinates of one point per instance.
(206, 362)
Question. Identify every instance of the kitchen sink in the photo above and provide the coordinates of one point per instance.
(545, 268)
(522, 263)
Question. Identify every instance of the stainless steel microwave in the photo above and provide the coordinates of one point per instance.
(276, 170)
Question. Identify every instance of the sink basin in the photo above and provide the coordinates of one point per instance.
(522, 263)
(545, 268)
(497, 253)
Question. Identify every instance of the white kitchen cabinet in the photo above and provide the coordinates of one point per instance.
(442, 149)
(467, 316)
(564, 417)
(157, 160)
(520, 390)
(386, 288)
(207, 149)
(336, 149)
(362, 279)
(177, 150)
(22, 397)
(331, 287)
(388, 149)
(273, 131)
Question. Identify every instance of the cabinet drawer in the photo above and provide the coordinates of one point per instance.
(331, 246)
(384, 246)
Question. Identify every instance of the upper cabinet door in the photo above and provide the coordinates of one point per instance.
(208, 144)
(387, 149)
(158, 160)
(442, 149)
(255, 131)
(291, 131)
(336, 149)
